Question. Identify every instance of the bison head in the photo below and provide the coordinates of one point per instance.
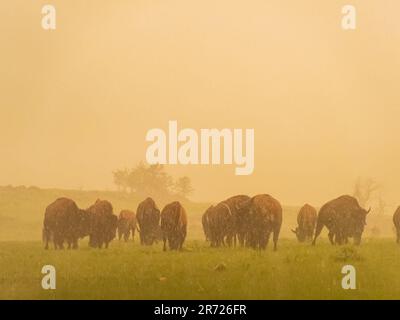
(300, 234)
(359, 217)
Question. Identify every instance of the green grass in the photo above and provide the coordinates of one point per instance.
(129, 271)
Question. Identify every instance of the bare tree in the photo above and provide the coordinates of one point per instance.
(183, 187)
(381, 207)
(364, 189)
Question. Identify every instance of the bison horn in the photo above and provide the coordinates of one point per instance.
(369, 210)
(294, 231)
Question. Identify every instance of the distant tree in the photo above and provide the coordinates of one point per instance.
(121, 179)
(183, 187)
(364, 189)
(150, 180)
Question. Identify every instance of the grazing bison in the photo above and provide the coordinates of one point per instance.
(237, 206)
(173, 225)
(306, 219)
(344, 218)
(103, 224)
(64, 221)
(265, 217)
(221, 224)
(126, 224)
(227, 220)
(148, 220)
(396, 221)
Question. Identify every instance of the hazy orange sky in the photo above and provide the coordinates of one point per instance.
(76, 102)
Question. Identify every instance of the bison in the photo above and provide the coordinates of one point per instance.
(226, 221)
(396, 221)
(221, 224)
(148, 220)
(64, 221)
(306, 219)
(173, 225)
(344, 218)
(103, 224)
(240, 216)
(126, 224)
(264, 218)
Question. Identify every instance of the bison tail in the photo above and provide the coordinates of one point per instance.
(318, 230)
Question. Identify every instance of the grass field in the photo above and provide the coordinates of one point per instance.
(130, 271)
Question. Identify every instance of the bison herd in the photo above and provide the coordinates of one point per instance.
(238, 220)
(64, 222)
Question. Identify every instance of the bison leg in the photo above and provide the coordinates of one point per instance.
(212, 242)
(47, 243)
(126, 236)
(229, 240)
(264, 240)
(331, 237)
(339, 238)
(182, 240)
(141, 237)
(250, 242)
(240, 238)
(309, 234)
(165, 243)
(276, 237)
(46, 238)
(58, 241)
